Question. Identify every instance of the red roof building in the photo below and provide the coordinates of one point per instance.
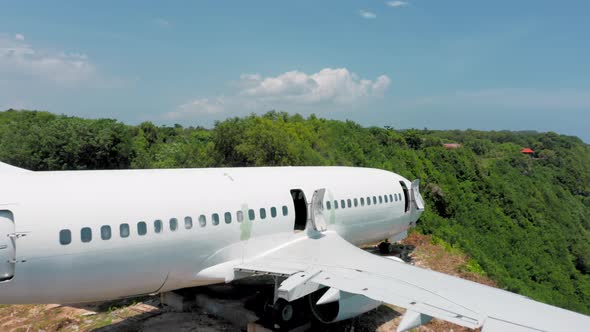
(451, 146)
(527, 151)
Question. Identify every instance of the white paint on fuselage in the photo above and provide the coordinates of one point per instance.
(43, 203)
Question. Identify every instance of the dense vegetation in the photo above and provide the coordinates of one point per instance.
(524, 220)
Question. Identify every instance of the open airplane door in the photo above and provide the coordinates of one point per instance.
(317, 210)
(7, 245)
(416, 197)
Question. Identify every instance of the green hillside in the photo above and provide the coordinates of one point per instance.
(524, 220)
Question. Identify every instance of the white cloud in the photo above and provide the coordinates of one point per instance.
(337, 87)
(367, 14)
(19, 36)
(19, 59)
(162, 22)
(397, 3)
(198, 107)
(247, 78)
(328, 85)
(381, 84)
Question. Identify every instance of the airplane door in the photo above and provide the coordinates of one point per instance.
(300, 205)
(7, 245)
(317, 210)
(416, 197)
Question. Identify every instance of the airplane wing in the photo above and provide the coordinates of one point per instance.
(328, 260)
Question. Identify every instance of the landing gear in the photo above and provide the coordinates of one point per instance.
(283, 315)
(279, 314)
(385, 247)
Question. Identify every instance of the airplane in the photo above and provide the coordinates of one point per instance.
(78, 236)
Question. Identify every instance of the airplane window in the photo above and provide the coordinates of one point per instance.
(188, 222)
(386, 200)
(349, 202)
(215, 219)
(362, 201)
(158, 226)
(328, 205)
(202, 220)
(65, 237)
(124, 230)
(273, 212)
(342, 204)
(356, 202)
(227, 217)
(251, 214)
(285, 210)
(105, 232)
(400, 197)
(173, 224)
(262, 213)
(335, 204)
(141, 228)
(240, 216)
(86, 234)
(368, 200)
(374, 200)
(391, 198)
(380, 199)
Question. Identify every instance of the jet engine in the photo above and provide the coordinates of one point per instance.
(337, 305)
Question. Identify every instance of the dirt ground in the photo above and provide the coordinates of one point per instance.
(147, 314)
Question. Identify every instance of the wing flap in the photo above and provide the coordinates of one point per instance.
(495, 325)
(262, 267)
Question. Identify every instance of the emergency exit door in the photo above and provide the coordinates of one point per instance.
(317, 211)
(7, 245)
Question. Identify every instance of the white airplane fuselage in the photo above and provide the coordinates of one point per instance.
(35, 207)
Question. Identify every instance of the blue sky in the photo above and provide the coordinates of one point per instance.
(424, 63)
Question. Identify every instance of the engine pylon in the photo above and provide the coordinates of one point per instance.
(411, 320)
(332, 295)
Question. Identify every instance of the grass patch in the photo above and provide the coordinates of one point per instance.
(473, 266)
(447, 246)
(101, 322)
